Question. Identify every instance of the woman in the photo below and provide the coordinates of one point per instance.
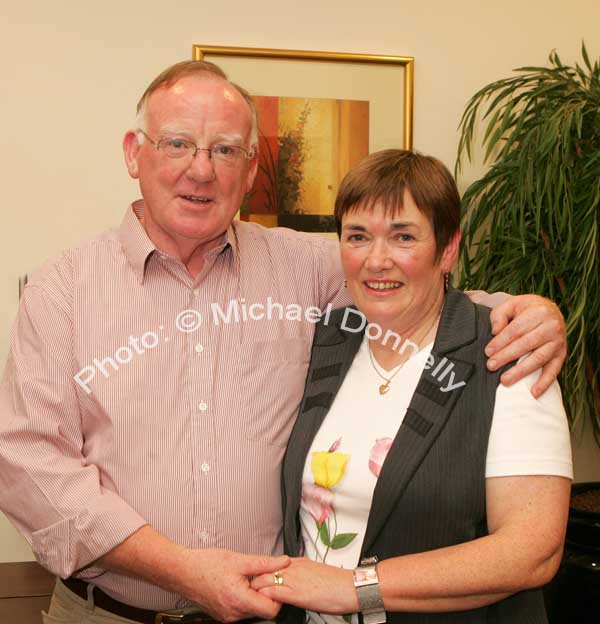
(405, 447)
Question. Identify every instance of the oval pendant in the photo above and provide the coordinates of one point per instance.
(383, 388)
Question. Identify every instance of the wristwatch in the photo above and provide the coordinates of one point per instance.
(366, 583)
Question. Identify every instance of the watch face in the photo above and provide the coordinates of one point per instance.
(364, 576)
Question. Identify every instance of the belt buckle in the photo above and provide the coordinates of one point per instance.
(187, 616)
(171, 618)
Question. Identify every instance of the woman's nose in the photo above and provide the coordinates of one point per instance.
(379, 258)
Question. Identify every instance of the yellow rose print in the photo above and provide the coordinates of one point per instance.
(328, 468)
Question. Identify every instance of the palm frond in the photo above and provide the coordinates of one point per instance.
(531, 223)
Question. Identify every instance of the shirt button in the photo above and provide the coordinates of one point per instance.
(202, 406)
(196, 291)
(204, 535)
(205, 468)
(199, 348)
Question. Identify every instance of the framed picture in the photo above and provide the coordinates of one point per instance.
(319, 114)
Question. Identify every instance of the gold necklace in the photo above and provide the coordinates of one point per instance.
(383, 388)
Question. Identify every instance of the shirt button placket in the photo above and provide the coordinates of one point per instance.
(201, 383)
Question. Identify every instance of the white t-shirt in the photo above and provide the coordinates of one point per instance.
(527, 437)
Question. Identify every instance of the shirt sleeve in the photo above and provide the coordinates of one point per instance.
(331, 276)
(529, 436)
(490, 300)
(47, 488)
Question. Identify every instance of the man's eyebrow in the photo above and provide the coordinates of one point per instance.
(172, 130)
(218, 138)
(229, 138)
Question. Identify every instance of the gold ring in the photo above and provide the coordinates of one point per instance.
(277, 578)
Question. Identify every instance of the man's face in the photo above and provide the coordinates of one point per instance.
(190, 202)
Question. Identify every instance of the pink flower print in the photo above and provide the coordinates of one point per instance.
(378, 454)
(335, 446)
(318, 500)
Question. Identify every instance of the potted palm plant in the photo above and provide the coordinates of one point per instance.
(532, 224)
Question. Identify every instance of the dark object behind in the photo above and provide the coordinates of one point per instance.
(573, 596)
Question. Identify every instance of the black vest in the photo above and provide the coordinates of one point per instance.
(431, 489)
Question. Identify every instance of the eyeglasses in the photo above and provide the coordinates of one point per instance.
(219, 153)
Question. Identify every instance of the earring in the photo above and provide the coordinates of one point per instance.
(446, 281)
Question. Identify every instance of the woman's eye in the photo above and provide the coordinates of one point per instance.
(405, 238)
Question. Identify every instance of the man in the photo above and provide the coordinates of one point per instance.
(155, 373)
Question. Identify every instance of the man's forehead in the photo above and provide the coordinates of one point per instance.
(198, 88)
(199, 95)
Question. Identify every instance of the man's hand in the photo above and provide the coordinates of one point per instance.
(528, 324)
(213, 579)
(217, 581)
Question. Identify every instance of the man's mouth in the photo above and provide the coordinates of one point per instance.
(383, 285)
(198, 199)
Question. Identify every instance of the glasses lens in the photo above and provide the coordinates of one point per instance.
(175, 148)
(227, 154)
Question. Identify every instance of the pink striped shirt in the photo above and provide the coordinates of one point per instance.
(134, 394)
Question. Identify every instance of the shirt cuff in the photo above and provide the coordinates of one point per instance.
(74, 542)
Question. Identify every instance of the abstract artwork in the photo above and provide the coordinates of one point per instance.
(307, 145)
(320, 113)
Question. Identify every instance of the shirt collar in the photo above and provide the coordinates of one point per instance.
(134, 240)
(137, 244)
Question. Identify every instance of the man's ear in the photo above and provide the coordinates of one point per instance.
(131, 148)
(450, 253)
(252, 170)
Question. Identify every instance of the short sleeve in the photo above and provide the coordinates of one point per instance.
(529, 436)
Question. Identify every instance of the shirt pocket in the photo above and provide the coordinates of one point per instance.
(271, 388)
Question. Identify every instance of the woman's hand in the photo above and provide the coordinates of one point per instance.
(311, 585)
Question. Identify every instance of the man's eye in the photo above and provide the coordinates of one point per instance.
(223, 150)
(176, 144)
(356, 238)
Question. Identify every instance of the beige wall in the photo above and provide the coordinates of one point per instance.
(72, 72)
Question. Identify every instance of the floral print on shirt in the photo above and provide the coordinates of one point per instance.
(328, 468)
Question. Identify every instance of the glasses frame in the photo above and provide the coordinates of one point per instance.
(248, 154)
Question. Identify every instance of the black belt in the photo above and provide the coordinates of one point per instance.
(104, 601)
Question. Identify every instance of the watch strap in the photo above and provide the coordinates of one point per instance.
(366, 584)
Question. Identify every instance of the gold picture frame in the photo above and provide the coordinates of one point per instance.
(320, 113)
(201, 51)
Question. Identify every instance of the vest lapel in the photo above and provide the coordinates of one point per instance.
(333, 351)
(427, 413)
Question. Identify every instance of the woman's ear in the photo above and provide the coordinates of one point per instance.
(131, 148)
(450, 253)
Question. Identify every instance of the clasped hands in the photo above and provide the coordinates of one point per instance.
(230, 586)
(310, 585)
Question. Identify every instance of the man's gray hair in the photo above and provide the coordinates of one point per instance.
(190, 68)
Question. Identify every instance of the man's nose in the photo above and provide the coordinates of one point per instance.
(201, 167)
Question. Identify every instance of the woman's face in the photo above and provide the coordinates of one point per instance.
(389, 261)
